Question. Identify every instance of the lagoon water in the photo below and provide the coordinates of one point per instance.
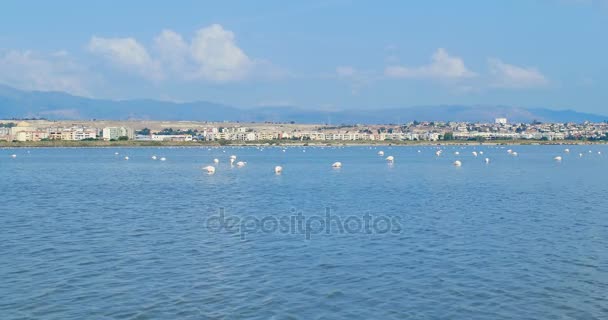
(85, 234)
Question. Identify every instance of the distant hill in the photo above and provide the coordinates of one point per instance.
(58, 105)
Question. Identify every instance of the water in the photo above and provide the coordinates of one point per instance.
(85, 234)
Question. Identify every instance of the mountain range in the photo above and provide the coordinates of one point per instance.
(17, 104)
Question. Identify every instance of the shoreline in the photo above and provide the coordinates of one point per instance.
(144, 144)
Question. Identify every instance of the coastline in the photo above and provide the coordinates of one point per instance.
(136, 144)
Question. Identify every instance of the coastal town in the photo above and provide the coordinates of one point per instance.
(184, 131)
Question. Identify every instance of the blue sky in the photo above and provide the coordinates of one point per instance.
(333, 54)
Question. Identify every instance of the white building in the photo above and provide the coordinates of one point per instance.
(251, 136)
(173, 137)
(143, 137)
(500, 120)
(83, 133)
(5, 133)
(113, 133)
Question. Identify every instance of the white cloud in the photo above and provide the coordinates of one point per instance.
(511, 76)
(172, 49)
(346, 71)
(211, 55)
(28, 70)
(442, 66)
(218, 57)
(126, 53)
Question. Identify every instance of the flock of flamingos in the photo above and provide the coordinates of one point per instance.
(210, 169)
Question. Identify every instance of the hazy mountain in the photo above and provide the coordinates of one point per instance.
(58, 105)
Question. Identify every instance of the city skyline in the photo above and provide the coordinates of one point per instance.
(326, 55)
(222, 133)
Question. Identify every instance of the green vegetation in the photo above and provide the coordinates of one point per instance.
(448, 136)
(144, 132)
(171, 131)
(286, 142)
(85, 143)
(223, 142)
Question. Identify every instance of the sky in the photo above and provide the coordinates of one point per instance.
(330, 55)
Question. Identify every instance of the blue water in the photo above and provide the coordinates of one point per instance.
(85, 234)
